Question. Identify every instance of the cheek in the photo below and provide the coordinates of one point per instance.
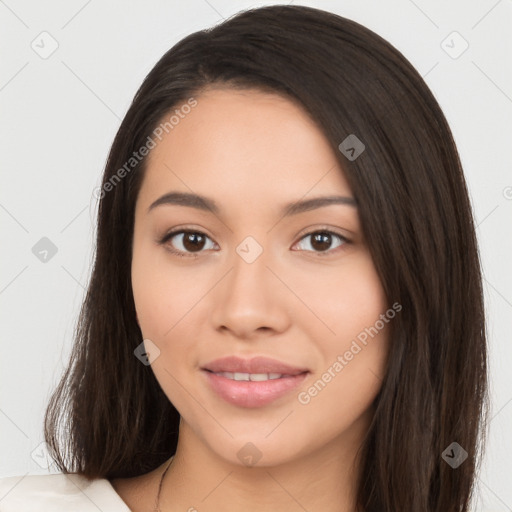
(162, 293)
(354, 349)
(164, 299)
(146, 290)
(342, 301)
(344, 388)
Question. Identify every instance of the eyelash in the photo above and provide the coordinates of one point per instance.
(168, 236)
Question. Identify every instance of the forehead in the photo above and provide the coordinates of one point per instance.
(248, 145)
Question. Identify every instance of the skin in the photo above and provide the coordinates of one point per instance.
(252, 152)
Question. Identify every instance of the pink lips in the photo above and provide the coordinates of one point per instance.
(255, 365)
(252, 393)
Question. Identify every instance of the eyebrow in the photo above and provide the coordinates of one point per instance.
(204, 203)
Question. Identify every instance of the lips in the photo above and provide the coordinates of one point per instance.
(256, 365)
(252, 382)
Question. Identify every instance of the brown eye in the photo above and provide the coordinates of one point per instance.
(322, 241)
(193, 241)
(185, 243)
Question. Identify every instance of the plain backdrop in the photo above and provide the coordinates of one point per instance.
(68, 73)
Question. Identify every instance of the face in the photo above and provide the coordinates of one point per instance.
(246, 277)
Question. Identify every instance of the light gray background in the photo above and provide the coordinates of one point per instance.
(58, 118)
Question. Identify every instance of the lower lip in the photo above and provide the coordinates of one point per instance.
(252, 393)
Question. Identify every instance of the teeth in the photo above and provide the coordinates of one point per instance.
(261, 376)
(250, 376)
(265, 376)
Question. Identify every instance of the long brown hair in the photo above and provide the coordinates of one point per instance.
(109, 418)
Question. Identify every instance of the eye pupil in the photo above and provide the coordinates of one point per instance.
(321, 241)
(193, 241)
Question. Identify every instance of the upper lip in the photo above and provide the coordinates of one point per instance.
(258, 364)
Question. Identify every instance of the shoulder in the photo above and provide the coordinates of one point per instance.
(58, 492)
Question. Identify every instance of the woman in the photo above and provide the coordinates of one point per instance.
(286, 305)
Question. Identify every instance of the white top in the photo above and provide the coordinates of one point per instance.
(58, 493)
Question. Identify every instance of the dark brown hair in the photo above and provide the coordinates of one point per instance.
(415, 215)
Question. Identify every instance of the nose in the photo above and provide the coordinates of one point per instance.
(251, 300)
